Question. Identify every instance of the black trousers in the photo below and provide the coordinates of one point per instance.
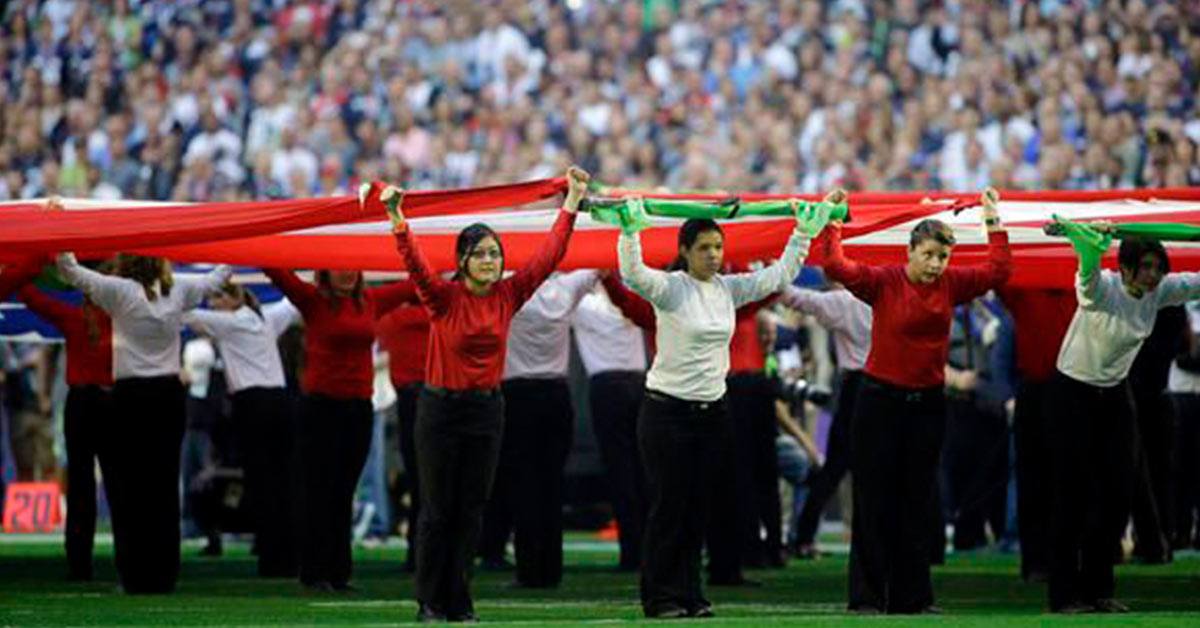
(458, 446)
(1092, 441)
(144, 439)
(1186, 470)
(745, 499)
(679, 442)
(538, 424)
(264, 418)
(615, 399)
(88, 411)
(896, 439)
(335, 437)
(406, 409)
(1153, 498)
(824, 483)
(975, 470)
(1035, 495)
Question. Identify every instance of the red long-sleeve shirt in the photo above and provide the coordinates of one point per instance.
(89, 351)
(338, 335)
(468, 333)
(910, 328)
(404, 334)
(1041, 317)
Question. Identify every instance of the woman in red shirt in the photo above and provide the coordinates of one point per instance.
(460, 413)
(335, 415)
(87, 330)
(900, 416)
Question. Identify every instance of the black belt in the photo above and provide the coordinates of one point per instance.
(907, 395)
(469, 393)
(683, 403)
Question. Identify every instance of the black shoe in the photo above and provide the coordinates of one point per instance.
(702, 611)
(1109, 605)
(1074, 608)
(669, 611)
(932, 609)
(739, 581)
(865, 609)
(468, 617)
(427, 614)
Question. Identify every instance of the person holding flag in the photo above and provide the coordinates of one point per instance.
(900, 417)
(460, 412)
(1092, 434)
(684, 413)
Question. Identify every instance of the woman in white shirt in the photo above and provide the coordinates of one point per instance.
(1092, 436)
(146, 304)
(684, 416)
(246, 335)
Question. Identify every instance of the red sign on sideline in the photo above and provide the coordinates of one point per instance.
(32, 507)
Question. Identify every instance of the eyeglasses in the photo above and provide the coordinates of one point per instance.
(486, 254)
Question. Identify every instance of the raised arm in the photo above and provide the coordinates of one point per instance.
(974, 281)
(552, 250)
(392, 296)
(634, 307)
(827, 307)
(301, 293)
(281, 315)
(431, 289)
(196, 289)
(209, 322)
(110, 293)
(658, 287)
(1089, 243)
(747, 287)
(861, 280)
(1178, 288)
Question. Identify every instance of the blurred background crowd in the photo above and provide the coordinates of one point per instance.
(244, 99)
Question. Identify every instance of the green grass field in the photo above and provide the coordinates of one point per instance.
(975, 590)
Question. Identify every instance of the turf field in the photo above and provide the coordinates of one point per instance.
(974, 590)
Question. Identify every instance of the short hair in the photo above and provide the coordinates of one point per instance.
(1134, 248)
(931, 229)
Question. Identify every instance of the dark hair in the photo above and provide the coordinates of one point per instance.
(930, 229)
(468, 239)
(242, 295)
(689, 233)
(1134, 248)
(146, 271)
(325, 288)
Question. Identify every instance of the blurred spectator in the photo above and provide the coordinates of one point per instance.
(249, 98)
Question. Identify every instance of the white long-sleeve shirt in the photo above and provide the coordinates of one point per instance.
(841, 313)
(1110, 326)
(607, 341)
(540, 334)
(145, 332)
(1179, 380)
(247, 342)
(695, 318)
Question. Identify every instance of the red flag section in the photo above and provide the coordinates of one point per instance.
(337, 233)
